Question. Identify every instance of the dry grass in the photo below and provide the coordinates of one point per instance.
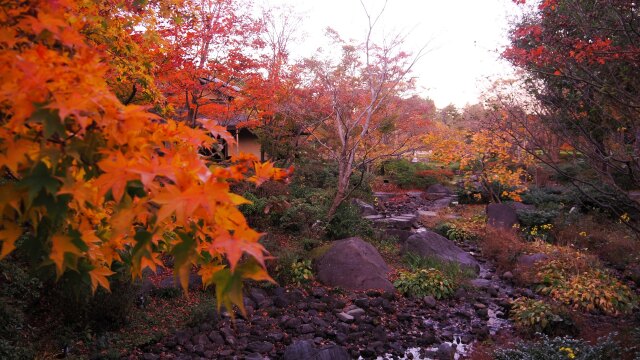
(610, 241)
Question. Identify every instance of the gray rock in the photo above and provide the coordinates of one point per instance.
(501, 216)
(345, 317)
(518, 206)
(304, 350)
(366, 209)
(306, 329)
(431, 244)
(441, 203)
(355, 265)
(402, 222)
(430, 301)
(481, 283)
(507, 275)
(527, 261)
(427, 213)
(195, 282)
(437, 191)
(260, 347)
(299, 350)
(445, 352)
(356, 312)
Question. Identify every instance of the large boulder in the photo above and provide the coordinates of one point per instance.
(401, 222)
(365, 208)
(431, 244)
(437, 191)
(501, 216)
(355, 265)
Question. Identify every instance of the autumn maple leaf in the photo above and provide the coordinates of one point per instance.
(8, 236)
(98, 277)
(61, 244)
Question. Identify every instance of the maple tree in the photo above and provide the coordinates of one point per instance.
(354, 90)
(208, 66)
(489, 162)
(579, 63)
(91, 182)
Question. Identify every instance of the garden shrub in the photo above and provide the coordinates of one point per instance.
(454, 232)
(425, 282)
(301, 272)
(284, 265)
(534, 315)
(347, 222)
(547, 198)
(405, 174)
(449, 269)
(436, 176)
(561, 348)
(309, 243)
(530, 218)
(592, 290)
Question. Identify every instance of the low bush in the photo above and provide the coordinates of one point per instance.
(405, 174)
(530, 218)
(347, 222)
(561, 348)
(454, 232)
(451, 270)
(301, 273)
(503, 246)
(425, 282)
(533, 315)
(547, 198)
(591, 290)
(437, 176)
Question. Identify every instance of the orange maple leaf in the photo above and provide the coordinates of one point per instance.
(61, 244)
(99, 278)
(9, 235)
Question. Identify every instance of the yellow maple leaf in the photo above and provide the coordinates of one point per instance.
(9, 235)
(61, 244)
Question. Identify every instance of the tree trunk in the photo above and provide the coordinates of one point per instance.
(344, 173)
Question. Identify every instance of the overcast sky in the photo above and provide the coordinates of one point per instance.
(464, 38)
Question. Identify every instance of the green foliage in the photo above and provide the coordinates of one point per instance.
(385, 244)
(309, 244)
(202, 312)
(425, 282)
(285, 258)
(166, 292)
(546, 198)
(451, 270)
(561, 348)
(472, 196)
(530, 218)
(533, 314)
(454, 232)
(299, 216)
(406, 175)
(347, 222)
(301, 273)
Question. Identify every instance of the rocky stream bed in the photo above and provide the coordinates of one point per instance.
(326, 322)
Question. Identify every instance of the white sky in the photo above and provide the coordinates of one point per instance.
(465, 38)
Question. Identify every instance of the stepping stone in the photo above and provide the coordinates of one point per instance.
(427, 213)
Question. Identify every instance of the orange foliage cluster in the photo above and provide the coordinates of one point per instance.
(93, 181)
